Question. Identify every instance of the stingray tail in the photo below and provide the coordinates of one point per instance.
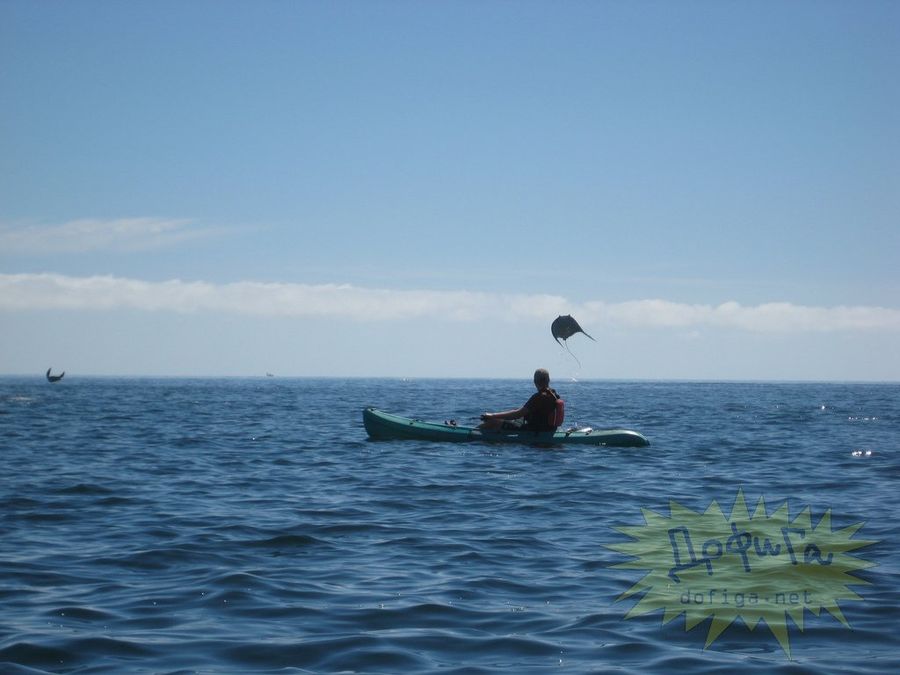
(566, 345)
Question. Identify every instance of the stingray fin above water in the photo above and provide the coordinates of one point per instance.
(565, 327)
(54, 378)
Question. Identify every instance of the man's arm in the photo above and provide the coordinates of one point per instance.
(507, 415)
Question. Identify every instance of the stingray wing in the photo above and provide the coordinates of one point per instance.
(565, 327)
(562, 327)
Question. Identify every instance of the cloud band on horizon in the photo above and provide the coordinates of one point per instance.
(21, 292)
(85, 235)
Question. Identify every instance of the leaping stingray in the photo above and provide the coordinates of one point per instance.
(55, 378)
(565, 327)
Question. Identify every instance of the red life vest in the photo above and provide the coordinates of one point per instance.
(558, 414)
(545, 411)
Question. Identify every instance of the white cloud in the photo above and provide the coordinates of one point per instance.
(59, 292)
(86, 234)
(768, 317)
(55, 292)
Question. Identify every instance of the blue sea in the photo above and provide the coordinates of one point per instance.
(249, 526)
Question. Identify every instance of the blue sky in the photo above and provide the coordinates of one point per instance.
(419, 188)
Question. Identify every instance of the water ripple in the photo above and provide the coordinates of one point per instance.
(210, 525)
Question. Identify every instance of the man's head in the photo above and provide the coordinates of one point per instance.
(541, 378)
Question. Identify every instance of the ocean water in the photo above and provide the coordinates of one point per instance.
(249, 526)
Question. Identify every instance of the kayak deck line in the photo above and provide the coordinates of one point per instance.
(382, 425)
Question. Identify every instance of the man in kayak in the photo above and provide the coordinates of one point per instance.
(538, 412)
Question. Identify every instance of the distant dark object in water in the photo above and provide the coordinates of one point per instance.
(55, 378)
(565, 327)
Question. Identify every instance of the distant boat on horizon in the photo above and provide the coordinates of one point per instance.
(269, 375)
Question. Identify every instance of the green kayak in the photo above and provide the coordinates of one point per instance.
(382, 425)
